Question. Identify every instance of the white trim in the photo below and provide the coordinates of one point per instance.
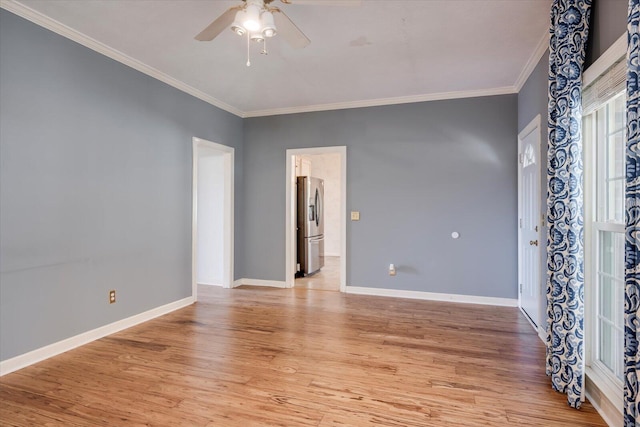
(531, 64)
(290, 234)
(343, 220)
(605, 385)
(208, 283)
(611, 418)
(432, 296)
(78, 37)
(228, 154)
(42, 353)
(540, 331)
(533, 126)
(596, 390)
(616, 51)
(542, 334)
(508, 90)
(65, 31)
(259, 282)
(526, 315)
(604, 394)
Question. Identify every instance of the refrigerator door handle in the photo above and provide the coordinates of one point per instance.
(317, 206)
(312, 213)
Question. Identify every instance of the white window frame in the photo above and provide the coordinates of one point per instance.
(594, 215)
(599, 374)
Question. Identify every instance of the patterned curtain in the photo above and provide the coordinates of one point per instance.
(565, 253)
(632, 249)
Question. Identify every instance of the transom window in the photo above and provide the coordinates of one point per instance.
(529, 156)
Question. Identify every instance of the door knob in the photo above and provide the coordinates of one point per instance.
(533, 242)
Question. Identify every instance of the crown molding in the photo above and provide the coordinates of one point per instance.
(531, 64)
(507, 90)
(78, 37)
(74, 35)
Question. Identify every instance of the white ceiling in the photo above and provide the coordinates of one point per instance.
(378, 52)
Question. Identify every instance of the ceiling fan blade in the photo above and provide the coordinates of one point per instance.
(288, 30)
(219, 25)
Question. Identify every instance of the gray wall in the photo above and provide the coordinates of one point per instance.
(608, 23)
(533, 100)
(416, 173)
(95, 187)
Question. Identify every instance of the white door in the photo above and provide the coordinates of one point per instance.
(529, 221)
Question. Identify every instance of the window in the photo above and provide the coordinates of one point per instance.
(604, 137)
(529, 156)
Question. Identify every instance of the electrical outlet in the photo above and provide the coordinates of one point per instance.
(355, 216)
(112, 296)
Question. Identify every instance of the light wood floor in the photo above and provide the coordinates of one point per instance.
(295, 357)
(327, 279)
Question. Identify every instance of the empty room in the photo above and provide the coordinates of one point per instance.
(319, 212)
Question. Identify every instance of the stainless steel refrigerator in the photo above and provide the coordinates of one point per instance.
(310, 202)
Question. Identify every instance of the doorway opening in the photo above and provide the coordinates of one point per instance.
(212, 220)
(327, 165)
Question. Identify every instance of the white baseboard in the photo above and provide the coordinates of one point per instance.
(209, 283)
(540, 330)
(259, 282)
(606, 408)
(432, 296)
(42, 353)
(542, 334)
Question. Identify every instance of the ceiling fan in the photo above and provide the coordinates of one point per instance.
(258, 20)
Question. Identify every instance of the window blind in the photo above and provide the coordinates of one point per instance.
(610, 83)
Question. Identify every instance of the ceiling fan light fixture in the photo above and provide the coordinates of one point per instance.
(268, 24)
(257, 37)
(237, 27)
(252, 18)
(255, 19)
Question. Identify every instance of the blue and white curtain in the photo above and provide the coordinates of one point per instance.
(565, 211)
(632, 248)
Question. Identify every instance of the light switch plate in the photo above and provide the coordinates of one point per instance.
(355, 216)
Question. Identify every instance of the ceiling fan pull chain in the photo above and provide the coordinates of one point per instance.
(248, 50)
(264, 46)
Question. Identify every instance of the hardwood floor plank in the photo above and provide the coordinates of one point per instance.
(296, 357)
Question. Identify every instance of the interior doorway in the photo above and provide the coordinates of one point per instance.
(212, 221)
(329, 165)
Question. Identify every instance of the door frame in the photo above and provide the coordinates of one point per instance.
(228, 154)
(531, 127)
(290, 226)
